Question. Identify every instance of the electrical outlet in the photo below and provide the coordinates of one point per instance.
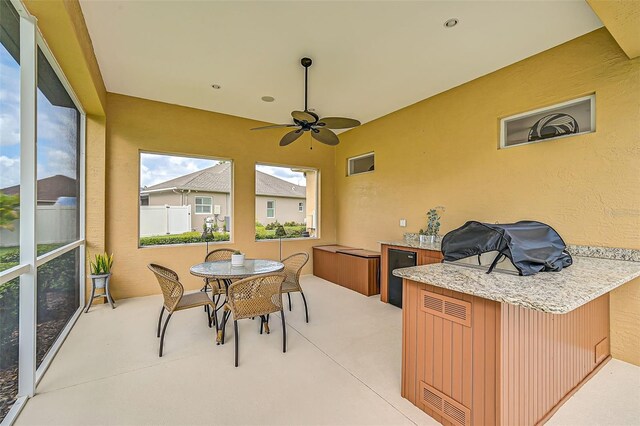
(403, 223)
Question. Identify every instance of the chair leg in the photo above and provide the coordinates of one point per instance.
(284, 332)
(164, 329)
(289, 296)
(208, 312)
(160, 320)
(235, 338)
(261, 323)
(306, 310)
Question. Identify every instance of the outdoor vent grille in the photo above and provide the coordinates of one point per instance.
(432, 399)
(444, 405)
(432, 303)
(455, 310)
(449, 308)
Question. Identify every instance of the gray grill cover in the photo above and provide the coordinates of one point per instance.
(531, 246)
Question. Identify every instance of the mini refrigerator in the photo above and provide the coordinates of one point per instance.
(398, 259)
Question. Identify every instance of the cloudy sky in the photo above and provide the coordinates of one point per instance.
(57, 130)
(157, 168)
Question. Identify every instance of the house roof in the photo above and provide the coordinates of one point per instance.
(50, 188)
(218, 179)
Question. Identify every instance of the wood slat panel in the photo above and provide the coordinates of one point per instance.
(513, 366)
(564, 348)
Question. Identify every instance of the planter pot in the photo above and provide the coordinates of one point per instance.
(427, 239)
(237, 259)
(100, 280)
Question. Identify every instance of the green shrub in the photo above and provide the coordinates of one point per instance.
(272, 226)
(294, 224)
(186, 238)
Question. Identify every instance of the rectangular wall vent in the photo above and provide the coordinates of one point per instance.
(444, 405)
(455, 310)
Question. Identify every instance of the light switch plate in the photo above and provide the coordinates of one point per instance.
(403, 223)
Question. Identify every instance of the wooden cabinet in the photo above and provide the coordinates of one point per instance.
(355, 269)
(424, 257)
(472, 361)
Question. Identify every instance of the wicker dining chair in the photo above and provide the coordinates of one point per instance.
(175, 299)
(216, 287)
(292, 268)
(215, 256)
(256, 297)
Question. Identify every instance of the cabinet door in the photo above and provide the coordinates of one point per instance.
(426, 257)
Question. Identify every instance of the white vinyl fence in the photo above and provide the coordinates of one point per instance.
(54, 224)
(162, 220)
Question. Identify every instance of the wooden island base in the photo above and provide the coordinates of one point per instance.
(472, 361)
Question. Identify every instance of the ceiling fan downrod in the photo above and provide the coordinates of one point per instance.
(306, 63)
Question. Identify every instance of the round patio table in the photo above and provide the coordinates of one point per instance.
(223, 271)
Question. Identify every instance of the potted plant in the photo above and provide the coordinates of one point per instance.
(101, 269)
(237, 258)
(429, 234)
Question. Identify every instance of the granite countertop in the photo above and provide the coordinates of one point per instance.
(554, 292)
(413, 244)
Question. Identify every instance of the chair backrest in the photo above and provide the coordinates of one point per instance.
(172, 290)
(293, 266)
(219, 254)
(255, 296)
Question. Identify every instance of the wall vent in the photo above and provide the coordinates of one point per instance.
(444, 405)
(455, 310)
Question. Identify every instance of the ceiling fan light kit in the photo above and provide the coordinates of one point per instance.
(309, 121)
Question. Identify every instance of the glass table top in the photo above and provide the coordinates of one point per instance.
(223, 269)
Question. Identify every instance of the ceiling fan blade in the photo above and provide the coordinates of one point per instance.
(325, 136)
(339, 122)
(290, 137)
(275, 126)
(303, 116)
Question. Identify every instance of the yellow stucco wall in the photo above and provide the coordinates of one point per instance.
(444, 151)
(135, 124)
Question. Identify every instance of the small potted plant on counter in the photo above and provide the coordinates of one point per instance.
(237, 258)
(428, 235)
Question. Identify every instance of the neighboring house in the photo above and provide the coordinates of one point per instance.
(277, 199)
(50, 189)
(208, 192)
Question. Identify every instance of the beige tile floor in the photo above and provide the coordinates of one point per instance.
(341, 368)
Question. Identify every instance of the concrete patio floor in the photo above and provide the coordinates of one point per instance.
(341, 368)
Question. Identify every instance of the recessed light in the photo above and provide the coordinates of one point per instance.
(216, 86)
(268, 98)
(450, 23)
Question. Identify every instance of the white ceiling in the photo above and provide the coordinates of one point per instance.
(370, 58)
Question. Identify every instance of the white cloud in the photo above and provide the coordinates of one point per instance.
(9, 101)
(156, 168)
(9, 171)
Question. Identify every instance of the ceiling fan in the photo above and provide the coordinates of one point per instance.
(308, 121)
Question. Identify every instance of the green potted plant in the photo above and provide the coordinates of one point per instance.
(428, 235)
(237, 258)
(101, 269)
